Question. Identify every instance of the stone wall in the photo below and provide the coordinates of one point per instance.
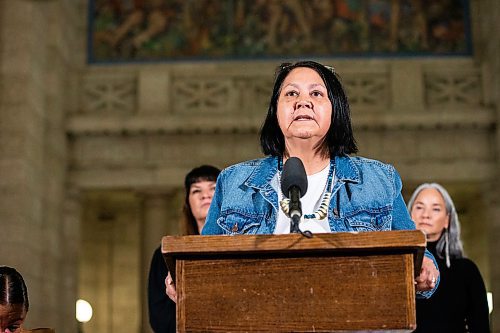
(39, 47)
(487, 14)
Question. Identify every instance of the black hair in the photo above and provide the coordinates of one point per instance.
(12, 288)
(339, 140)
(198, 174)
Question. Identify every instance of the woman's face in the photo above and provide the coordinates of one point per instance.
(11, 318)
(429, 213)
(200, 197)
(304, 110)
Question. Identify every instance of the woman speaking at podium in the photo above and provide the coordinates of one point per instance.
(309, 118)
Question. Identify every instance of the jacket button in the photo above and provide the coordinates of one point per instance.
(235, 227)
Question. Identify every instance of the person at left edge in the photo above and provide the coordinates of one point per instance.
(14, 303)
(309, 118)
(199, 186)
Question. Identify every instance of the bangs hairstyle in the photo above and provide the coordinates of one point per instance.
(199, 174)
(12, 288)
(339, 140)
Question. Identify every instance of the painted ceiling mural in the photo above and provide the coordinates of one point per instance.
(166, 30)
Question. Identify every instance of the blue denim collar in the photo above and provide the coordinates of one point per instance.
(346, 170)
(260, 178)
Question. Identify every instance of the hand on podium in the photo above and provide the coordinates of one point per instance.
(170, 288)
(428, 275)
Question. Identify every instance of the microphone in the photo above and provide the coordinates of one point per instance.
(294, 186)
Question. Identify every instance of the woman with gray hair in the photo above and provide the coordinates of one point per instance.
(460, 302)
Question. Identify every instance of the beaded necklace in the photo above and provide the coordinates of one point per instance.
(322, 210)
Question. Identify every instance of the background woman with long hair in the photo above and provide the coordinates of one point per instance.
(199, 186)
(460, 303)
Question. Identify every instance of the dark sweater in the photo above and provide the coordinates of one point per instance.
(161, 308)
(459, 303)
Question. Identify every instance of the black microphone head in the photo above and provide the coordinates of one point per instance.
(294, 174)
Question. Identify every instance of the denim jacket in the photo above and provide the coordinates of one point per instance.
(366, 196)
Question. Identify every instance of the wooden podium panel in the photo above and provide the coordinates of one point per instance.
(284, 283)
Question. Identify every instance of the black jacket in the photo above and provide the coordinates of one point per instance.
(161, 308)
(459, 303)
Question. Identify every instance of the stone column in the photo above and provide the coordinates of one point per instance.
(492, 219)
(68, 270)
(154, 225)
(491, 49)
(22, 102)
(486, 18)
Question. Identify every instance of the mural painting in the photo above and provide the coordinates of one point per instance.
(166, 30)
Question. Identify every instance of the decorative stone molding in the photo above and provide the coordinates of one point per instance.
(368, 91)
(210, 96)
(453, 89)
(109, 95)
(178, 99)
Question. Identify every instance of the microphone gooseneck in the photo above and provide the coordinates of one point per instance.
(294, 186)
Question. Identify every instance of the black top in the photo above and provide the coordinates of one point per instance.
(161, 308)
(459, 304)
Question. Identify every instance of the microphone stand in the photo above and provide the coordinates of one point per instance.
(294, 224)
(295, 209)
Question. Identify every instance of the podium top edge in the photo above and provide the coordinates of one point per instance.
(410, 240)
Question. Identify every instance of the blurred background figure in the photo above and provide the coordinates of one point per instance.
(199, 186)
(460, 302)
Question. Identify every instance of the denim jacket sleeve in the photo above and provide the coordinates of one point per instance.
(211, 227)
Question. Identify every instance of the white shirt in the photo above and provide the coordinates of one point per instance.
(310, 203)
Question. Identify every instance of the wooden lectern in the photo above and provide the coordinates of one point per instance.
(284, 283)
